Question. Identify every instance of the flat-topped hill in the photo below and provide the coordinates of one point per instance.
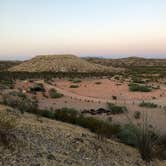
(59, 63)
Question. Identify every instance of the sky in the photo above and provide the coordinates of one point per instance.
(105, 28)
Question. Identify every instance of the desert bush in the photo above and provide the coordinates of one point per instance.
(74, 86)
(137, 115)
(98, 83)
(160, 149)
(148, 105)
(76, 80)
(19, 94)
(72, 116)
(54, 94)
(128, 135)
(146, 141)
(8, 123)
(7, 83)
(140, 88)
(137, 80)
(22, 104)
(115, 109)
(38, 87)
(114, 97)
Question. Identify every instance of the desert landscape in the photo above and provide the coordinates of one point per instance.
(118, 98)
(82, 83)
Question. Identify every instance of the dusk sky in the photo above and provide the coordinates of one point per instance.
(109, 28)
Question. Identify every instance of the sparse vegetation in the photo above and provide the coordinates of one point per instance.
(74, 86)
(17, 93)
(54, 94)
(114, 97)
(8, 122)
(38, 87)
(98, 82)
(76, 80)
(7, 83)
(116, 109)
(148, 105)
(23, 104)
(72, 116)
(140, 88)
(137, 115)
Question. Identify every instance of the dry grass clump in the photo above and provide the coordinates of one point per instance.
(8, 123)
(54, 94)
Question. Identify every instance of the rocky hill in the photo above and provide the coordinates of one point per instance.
(41, 141)
(60, 63)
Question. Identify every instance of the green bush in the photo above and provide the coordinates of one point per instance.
(23, 104)
(19, 94)
(7, 83)
(72, 116)
(38, 87)
(128, 135)
(148, 105)
(74, 86)
(116, 109)
(137, 115)
(54, 94)
(137, 80)
(76, 81)
(139, 88)
(8, 122)
(98, 83)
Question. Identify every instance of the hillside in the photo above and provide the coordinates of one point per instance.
(41, 141)
(4, 65)
(60, 63)
(127, 62)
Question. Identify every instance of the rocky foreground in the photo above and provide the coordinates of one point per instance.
(41, 141)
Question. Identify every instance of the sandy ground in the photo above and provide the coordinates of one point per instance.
(107, 89)
(90, 95)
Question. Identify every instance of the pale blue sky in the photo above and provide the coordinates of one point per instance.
(83, 27)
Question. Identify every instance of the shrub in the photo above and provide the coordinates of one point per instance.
(7, 83)
(74, 86)
(72, 116)
(19, 94)
(137, 115)
(98, 83)
(23, 104)
(140, 88)
(148, 105)
(128, 135)
(76, 81)
(116, 109)
(137, 80)
(8, 122)
(114, 97)
(38, 87)
(54, 94)
(160, 150)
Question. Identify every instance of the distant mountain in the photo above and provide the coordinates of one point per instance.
(127, 62)
(60, 63)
